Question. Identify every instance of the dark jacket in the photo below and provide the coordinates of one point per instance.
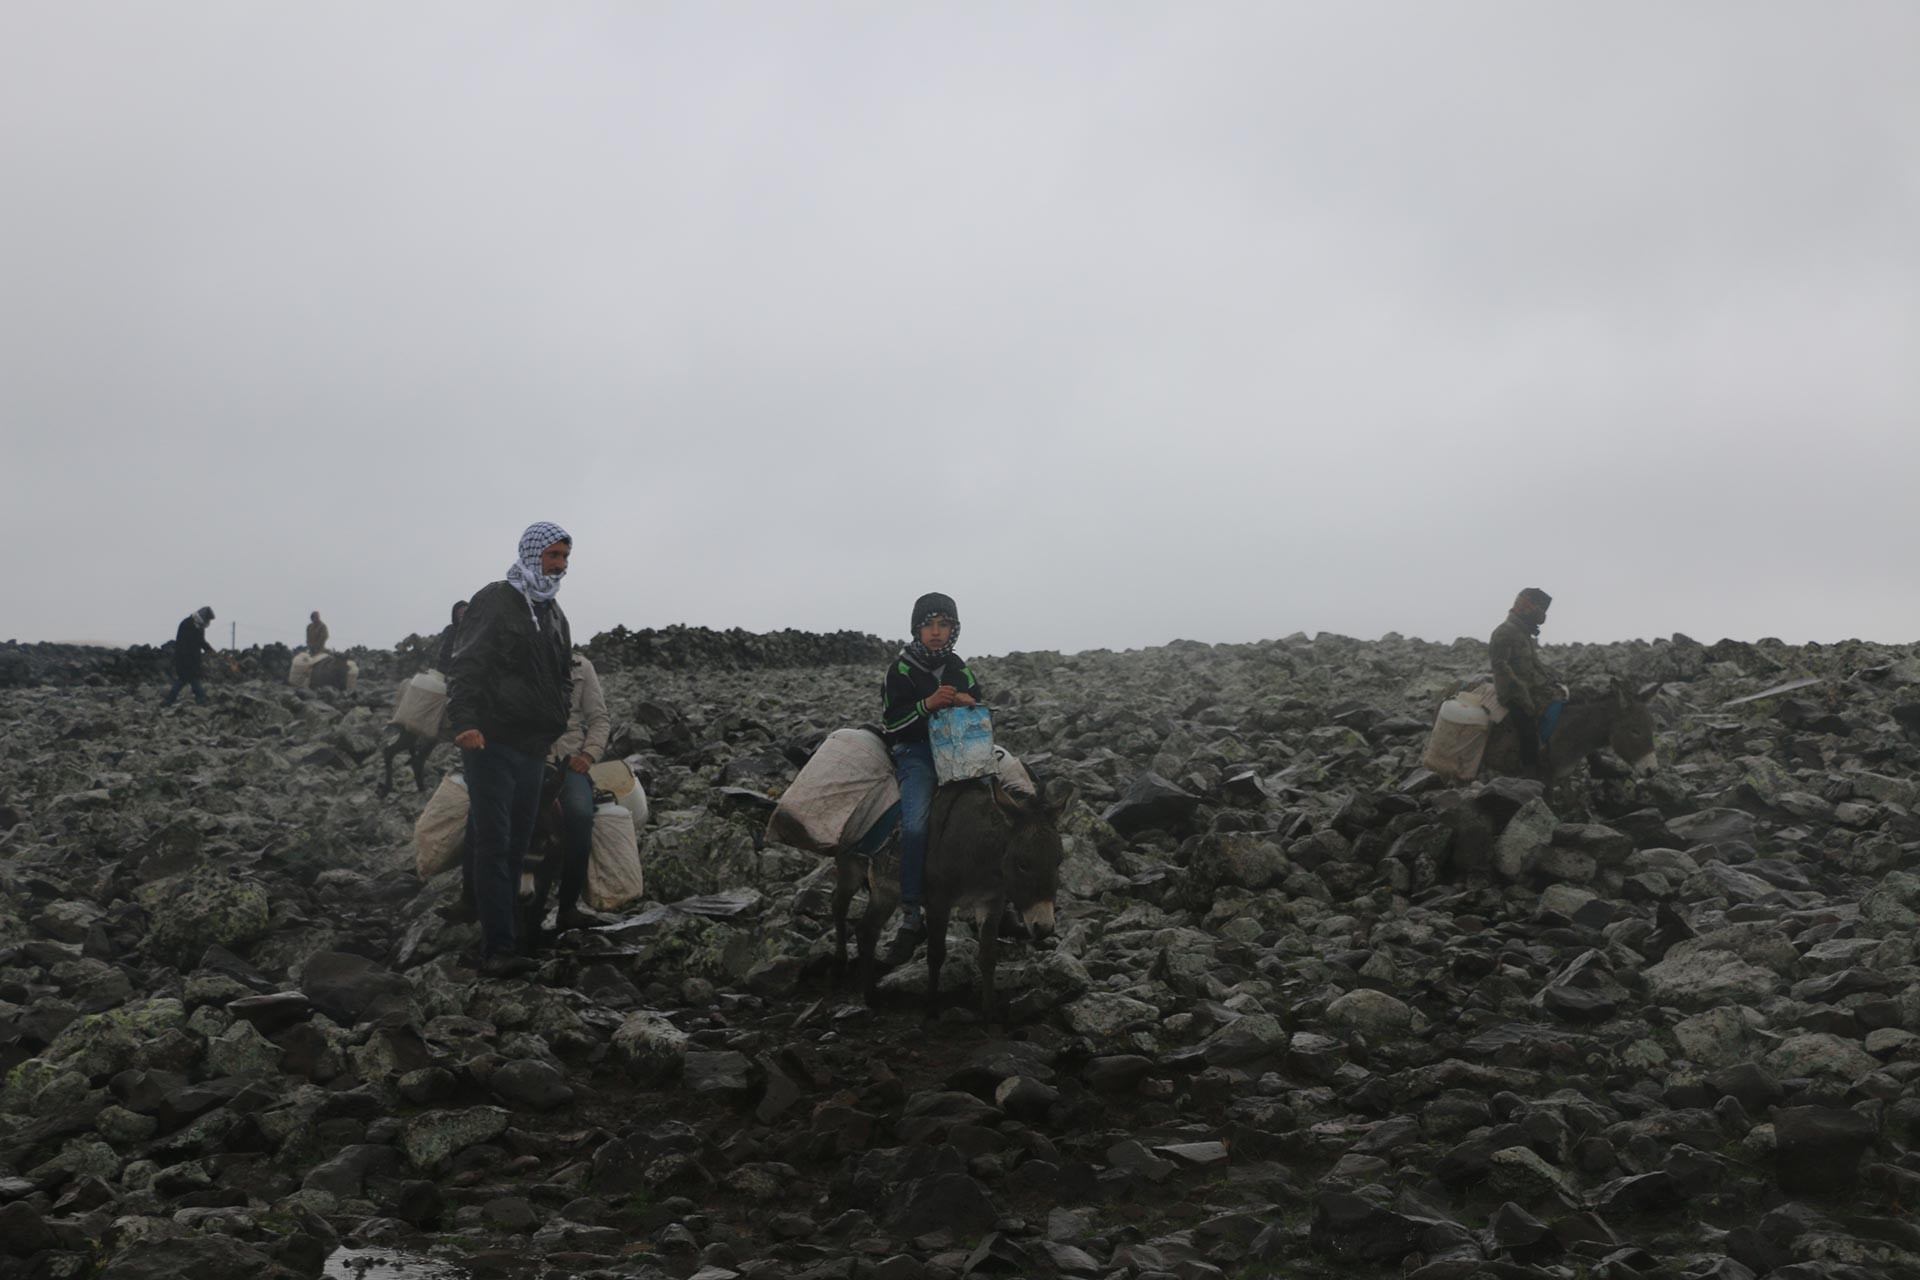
(1519, 678)
(511, 678)
(189, 642)
(904, 694)
(444, 662)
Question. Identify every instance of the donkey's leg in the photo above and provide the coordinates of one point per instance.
(937, 915)
(422, 748)
(989, 935)
(846, 881)
(883, 895)
(388, 751)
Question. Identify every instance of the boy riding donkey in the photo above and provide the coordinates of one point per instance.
(927, 676)
(1532, 697)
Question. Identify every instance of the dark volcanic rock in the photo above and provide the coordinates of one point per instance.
(1818, 1149)
(352, 989)
(1151, 801)
(203, 1257)
(1351, 1229)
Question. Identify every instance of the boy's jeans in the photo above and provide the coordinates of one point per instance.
(913, 768)
(576, 811)
(503, 786)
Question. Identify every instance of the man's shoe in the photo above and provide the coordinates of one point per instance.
(906, 941)
(571, 918)
(505, 964)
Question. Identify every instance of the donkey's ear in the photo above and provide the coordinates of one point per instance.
(1010, 803)
(1060, 797)
(1652, 691)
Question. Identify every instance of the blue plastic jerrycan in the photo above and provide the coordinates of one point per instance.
(962, 739)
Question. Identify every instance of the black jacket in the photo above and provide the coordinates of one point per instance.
(189, 642)
(903, 695)
(444, 662)
(510, 678)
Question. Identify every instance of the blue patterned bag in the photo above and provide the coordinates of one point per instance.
(962, 739)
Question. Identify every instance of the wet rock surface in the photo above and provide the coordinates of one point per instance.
(1307, 1013)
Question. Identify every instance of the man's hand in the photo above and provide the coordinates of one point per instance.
(942, 698)
(963, 699)
(470, 740)
(579, 762)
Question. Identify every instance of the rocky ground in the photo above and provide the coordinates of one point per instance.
(1308, 1013)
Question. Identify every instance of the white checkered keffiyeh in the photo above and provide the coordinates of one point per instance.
(525, 574)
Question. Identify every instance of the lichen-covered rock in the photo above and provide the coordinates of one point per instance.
(103, 1044)
(1520, 847)
(1374, 1014)
(1821, 1054)
(1105, 1015)
(650, 1047)
(695, 853)
(1697, 979)
(242, 1051)
(208, 907)
(434, 1137)
(1237, 859)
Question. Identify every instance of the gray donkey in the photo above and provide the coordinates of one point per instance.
(1622, 720)
(987, 846)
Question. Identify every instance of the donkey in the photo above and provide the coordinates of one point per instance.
(987, 847)
(1621, 720)
(417, 746)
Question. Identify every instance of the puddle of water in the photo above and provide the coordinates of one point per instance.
(389, 1264)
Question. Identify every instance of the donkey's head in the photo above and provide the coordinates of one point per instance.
(1631, 735)
(1030, 861)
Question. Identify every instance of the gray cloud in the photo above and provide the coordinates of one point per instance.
(1119, 322)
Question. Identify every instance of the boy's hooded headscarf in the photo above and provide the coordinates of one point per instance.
(525, 574)
(925, 607)
(203, 615)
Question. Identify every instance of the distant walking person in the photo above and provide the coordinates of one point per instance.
(509, 691)
(189, 647)
(444, 663)
(316, 634)
(1525, 687)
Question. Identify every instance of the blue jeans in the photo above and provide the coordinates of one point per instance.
(576, 811)
(503, 790)
(913, 769)
(180, 682)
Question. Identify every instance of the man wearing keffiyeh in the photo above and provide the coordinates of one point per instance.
(509, 688)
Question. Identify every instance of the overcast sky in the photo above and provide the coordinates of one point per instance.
(1119, 322)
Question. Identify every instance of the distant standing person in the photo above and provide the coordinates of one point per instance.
(189, 648)
(926, 676)
(509, 690)
(1529, 692)
(444, 663)
(316, 634)
(577, 751)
